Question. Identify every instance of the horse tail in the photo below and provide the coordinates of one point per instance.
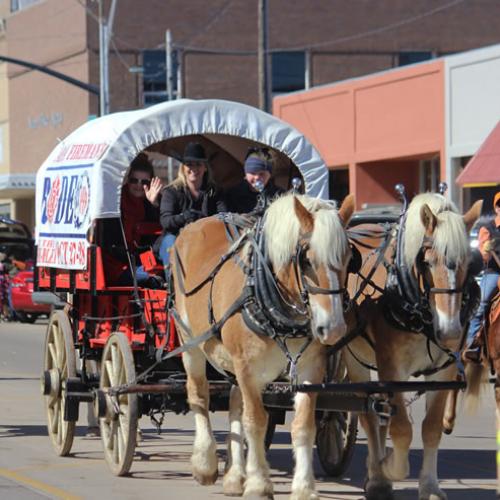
(475, 375)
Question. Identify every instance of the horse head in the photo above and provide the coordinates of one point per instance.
(309, 252)
(437, 250)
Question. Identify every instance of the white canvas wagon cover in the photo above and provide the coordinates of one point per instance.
(82, 178)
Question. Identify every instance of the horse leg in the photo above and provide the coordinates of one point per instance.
(450, 412)
(304, 431)
(234, 477)
(395, 465)
(204, 457)
(377, 486)
(431, 437)
(255, 418)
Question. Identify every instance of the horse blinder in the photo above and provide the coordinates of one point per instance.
(356, 261)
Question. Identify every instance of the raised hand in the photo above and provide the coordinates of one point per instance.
(152, 192)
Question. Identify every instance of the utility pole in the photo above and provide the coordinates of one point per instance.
(168, 64)
(180, 70)
(105, 31)
(262, 55)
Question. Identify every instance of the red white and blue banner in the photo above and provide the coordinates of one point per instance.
(64, 196)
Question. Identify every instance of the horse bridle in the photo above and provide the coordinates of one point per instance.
(421, 274)
(305, 289)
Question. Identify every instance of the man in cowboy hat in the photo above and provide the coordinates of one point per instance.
(489, 246)
(188, 198)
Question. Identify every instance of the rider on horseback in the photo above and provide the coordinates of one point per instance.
(489, 246)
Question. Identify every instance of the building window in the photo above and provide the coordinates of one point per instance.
(288, 71)
(16, 5)
(155, 76)
(413, 56)
(5, 210)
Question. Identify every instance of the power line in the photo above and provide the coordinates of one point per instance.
(117, 52)
(348, 38)
(211, 22)
(90, 12)
(375, 31)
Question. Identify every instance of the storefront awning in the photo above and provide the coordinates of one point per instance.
(484, 167)
(13, 186)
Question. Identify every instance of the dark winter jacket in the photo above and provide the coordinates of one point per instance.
(178, 207)
(242, 199)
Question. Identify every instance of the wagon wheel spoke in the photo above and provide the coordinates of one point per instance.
(107, 434)
(120, 440)
(57, 342)
(53, 355)
(116, 363)
(54, 418)
(109, 371)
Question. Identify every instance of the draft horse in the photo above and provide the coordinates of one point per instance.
(276, 298)
(412, 328)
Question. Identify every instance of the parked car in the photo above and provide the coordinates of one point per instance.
(16, 260)
(21, 300)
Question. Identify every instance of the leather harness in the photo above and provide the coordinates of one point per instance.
(406, 307)
(264, 308)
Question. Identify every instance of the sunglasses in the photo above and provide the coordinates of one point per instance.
(143, 182)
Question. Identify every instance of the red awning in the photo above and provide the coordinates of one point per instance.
(484, 166)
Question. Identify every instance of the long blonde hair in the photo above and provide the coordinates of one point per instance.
(181, 182)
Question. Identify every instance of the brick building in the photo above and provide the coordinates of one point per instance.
(312, 42)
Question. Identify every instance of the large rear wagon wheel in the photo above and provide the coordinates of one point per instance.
(119, 423)
(59, 365)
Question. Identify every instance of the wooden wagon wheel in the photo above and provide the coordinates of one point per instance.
(119, 422)
(335, 440)
(59, 365)
(336, 431)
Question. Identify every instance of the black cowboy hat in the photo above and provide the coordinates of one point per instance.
(194, 152)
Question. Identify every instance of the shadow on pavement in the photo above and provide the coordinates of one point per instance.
(7, 431)
(10, 379)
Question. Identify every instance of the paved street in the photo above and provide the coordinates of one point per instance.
(30, 470)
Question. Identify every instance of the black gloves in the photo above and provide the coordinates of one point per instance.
(191, 215)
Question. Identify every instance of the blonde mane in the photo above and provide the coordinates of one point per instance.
(282, 231)
(450, 236)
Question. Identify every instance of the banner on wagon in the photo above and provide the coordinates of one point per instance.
(63, 215)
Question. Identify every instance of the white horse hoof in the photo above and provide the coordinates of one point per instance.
(435, 495)
(431, 491)
(205, 470)
(304, 494)
(257, 496)
(233, 484)
(258, 488)
(205, 478)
